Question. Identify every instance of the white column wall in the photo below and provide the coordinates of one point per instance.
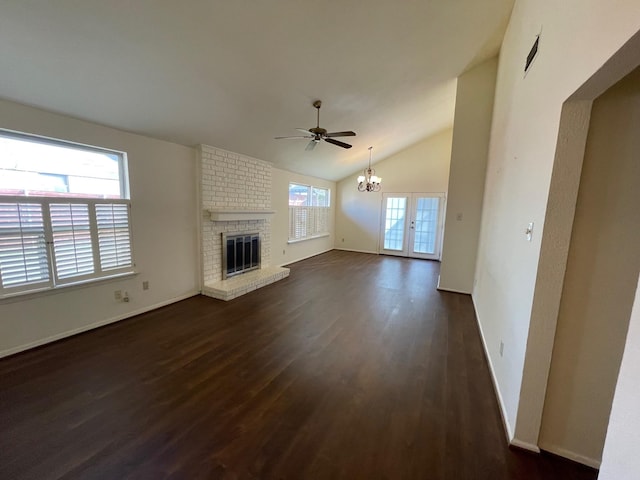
(620, 459)
(471, 133)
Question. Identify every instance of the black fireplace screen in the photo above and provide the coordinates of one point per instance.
(240, 253)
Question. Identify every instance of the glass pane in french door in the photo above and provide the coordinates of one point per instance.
(394, 223)
(426, 225)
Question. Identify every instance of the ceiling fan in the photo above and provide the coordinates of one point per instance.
(316, 133)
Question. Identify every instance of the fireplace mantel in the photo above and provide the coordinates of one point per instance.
(226, 215)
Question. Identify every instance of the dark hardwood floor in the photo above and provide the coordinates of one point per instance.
(355, 367)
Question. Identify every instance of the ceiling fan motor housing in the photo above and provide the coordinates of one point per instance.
(317, 133)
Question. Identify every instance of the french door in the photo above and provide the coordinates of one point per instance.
(412, 224)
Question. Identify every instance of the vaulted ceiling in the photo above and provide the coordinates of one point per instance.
(236, 73)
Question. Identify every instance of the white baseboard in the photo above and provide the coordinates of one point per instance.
(524, 445)
(357, 251)
(452, 290)
(304, 258)
(439, 288)
(503, 411)
(101, 323)
(588, 461)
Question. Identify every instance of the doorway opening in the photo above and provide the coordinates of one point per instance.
(554, 254)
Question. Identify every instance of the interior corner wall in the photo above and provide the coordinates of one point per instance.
(469, 150)
(599, 284)
(282, 252)
(522, 149)
(162, 179)
(423, 167)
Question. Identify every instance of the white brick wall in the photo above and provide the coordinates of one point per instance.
(232, 181)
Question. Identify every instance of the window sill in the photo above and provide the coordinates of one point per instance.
(31, 294)
(308, 238)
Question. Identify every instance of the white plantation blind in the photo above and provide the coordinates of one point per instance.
(72, 242)
(23, 249)
(321, 220)
(298, 222)
(114, 235)
(308, 222)
(80, 239)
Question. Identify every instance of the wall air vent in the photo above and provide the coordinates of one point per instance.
(532, 54)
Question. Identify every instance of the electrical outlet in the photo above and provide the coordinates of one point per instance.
(459, 217)
(125, 297)
(117, 295)
(145, 285)
(501, 347)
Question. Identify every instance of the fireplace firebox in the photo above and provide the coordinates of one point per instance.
(240, 253)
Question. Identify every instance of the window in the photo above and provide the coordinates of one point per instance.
(308, 212)
(64, 214)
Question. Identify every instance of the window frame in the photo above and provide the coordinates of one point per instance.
(112, 232)
(123, 170)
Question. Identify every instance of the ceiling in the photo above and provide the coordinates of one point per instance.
(236, 73)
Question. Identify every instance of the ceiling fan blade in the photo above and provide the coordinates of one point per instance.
(311, 145)
(303, 130)
(341, 134)
(338, 143)
(294, 137)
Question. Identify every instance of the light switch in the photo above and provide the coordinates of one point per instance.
(529, 231)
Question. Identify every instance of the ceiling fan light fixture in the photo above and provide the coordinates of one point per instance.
(316, 134)
(369, 182)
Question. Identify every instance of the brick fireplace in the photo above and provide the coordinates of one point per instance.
(236, 199)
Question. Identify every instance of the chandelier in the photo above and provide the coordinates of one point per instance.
(369, 182)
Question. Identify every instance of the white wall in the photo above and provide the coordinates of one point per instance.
(164, 217)
(283, 253)
(621, 460)
(423, 167)
(470, 147)
(599, 284)
(523, 143)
